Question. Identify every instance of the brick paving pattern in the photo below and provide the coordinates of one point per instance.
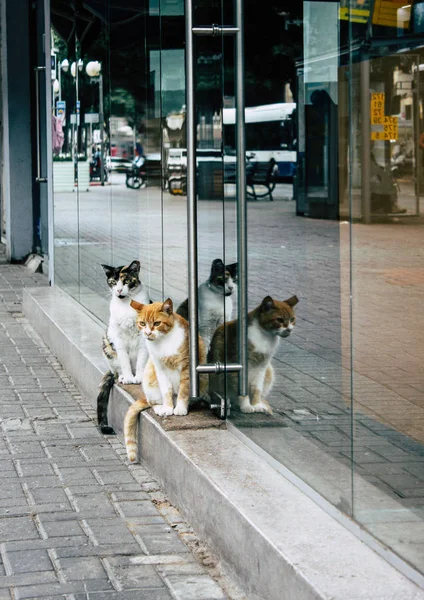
(77, 521)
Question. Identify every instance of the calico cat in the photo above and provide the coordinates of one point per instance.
(214, 299)
(167, 371)
(123, 348)
(267, 324)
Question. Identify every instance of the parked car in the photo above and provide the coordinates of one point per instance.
(118, 164)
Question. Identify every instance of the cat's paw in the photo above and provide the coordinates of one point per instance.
(244, 404)
(262, 407)
(180, 410)
(163, 411)
(137, 379)
(125, 380)
(247, 408)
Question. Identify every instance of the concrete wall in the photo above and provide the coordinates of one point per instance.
(17, 133)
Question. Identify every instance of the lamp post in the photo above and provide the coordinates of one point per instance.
(64, 66)
(94, 70)
(56, 88)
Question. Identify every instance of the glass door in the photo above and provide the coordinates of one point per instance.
(215, 253)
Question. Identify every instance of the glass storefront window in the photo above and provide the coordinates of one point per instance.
(334, 132)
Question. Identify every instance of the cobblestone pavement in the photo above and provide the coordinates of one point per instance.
(77, 521)
(320, 384)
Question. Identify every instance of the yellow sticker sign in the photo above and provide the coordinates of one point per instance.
(389, 124)
(382, 135)
(386, 14)
(356, 11)
(377, 108)
(355, 15)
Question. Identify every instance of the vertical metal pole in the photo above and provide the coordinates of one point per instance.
(365, 135)
(49, 149)
(37, 70)
(37, 122)
(101, 121)
(191, 201)
(417, 152)
(241, 202)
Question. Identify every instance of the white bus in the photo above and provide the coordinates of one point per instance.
(270, 133)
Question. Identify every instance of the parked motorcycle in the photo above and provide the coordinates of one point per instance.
(401, 160)
(95, 169)
(136, 176)
(177, 181)
(398, 163)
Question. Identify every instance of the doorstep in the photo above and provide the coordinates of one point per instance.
(272, 539)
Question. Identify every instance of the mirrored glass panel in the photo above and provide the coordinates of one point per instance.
(293, 75)
(334, 176)
(65, 156)
(386, 119)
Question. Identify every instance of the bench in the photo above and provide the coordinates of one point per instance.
(260, 178)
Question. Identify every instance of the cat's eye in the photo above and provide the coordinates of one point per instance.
(142, 323)
(157, 323)
(281, 321)
(292, 320)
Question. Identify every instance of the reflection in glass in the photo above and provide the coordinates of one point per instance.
(65, 174)
(334, 162)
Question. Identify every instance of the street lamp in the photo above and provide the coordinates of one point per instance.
(64, 66)
(94, 71)
(76, 65)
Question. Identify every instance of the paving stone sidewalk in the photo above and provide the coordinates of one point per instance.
(76, 520)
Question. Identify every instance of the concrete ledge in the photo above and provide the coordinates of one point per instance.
(277, 543)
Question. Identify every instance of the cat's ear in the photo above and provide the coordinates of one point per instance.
(292, 301)
(267, 304)
(233, 270)
(167, 306)
(110, 271)
(136, 305)
(134, 266)
(217, 266)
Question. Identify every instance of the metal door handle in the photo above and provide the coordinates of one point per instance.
(37, 119)
(195, 368)
(215, 30)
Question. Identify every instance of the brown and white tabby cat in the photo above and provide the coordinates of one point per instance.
(267, 324)
(167, 371)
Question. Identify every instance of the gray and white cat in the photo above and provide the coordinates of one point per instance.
(214, 299)
(123, 347)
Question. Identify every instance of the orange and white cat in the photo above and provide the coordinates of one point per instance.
(267, 324)
(166, 375)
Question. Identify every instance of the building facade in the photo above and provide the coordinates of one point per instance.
(124, 139)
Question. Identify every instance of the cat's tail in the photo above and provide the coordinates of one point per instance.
(105, 388)
(130, 427)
